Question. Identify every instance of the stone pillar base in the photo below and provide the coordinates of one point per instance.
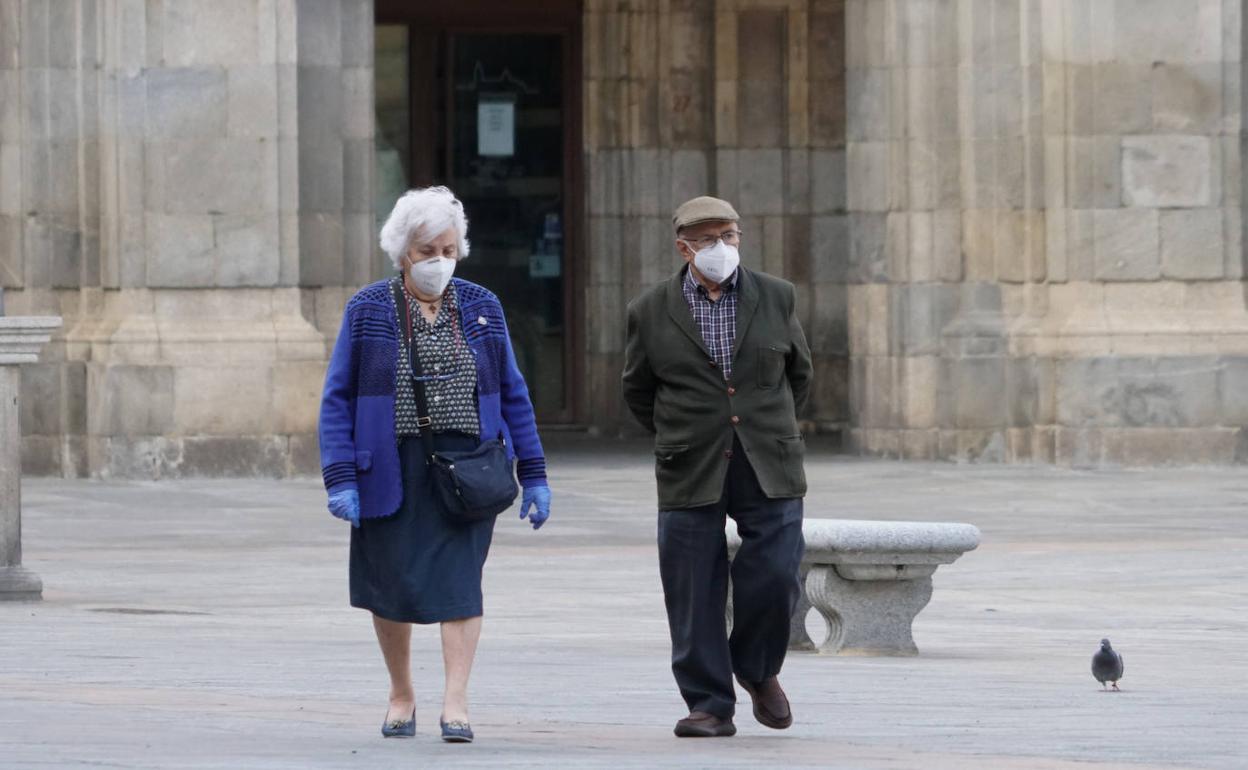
(18, 584)
(799, 639)
(190, 382)
(868, 615)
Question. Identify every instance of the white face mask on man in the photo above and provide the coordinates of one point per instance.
(430, 276)
(717, 262)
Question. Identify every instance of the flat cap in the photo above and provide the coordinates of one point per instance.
(703, 209)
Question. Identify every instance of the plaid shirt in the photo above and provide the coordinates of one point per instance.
(716, 320)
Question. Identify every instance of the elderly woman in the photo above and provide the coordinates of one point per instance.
(410, 563)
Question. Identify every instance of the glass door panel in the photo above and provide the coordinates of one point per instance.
(484, 114)
(505, 160)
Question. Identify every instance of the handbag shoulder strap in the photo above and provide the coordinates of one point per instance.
(423, 420)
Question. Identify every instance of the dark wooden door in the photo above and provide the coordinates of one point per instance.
(484, 97)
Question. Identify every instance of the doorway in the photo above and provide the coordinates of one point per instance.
(484, 97)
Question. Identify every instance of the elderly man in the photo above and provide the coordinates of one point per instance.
(717, 367)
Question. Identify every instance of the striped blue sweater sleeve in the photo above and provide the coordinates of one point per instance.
(518, 412)
(337, 419)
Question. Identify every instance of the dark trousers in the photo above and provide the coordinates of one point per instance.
(693, 563)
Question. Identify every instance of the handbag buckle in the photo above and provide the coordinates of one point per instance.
(424, 422)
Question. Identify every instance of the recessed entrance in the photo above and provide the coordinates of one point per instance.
(484, 98)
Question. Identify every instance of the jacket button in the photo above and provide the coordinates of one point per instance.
(735, 419)
(732, 391)
(728, 453)
(712, 363)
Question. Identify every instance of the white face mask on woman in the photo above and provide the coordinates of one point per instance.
(430, 276)
(717, 262)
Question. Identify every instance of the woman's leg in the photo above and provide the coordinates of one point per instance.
(396, 647)
(459, 647)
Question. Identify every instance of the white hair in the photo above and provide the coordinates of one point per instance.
(421, 215)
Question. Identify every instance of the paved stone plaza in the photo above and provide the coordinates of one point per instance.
(204, 624)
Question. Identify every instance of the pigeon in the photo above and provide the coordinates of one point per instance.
(1107, 665)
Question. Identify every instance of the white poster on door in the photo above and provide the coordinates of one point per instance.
(496, 128)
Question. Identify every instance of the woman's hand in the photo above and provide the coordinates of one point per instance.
(536, 496)
(346, 506)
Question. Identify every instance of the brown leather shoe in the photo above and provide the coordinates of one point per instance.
(771, 705)
(700, 724)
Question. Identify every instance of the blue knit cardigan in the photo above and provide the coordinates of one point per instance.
(358, 449)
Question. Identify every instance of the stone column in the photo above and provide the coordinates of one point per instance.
(1141, 322)
(1046, 257)
(942, 174)
(189, 185)
(20, 341)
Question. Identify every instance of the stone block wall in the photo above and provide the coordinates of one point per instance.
(740, 99)
(1015, 226)
(189, 185)
(1046, 230)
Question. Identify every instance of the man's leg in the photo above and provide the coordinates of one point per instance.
(765, 574)
(693, 563)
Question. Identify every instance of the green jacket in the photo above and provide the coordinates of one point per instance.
(693, 412)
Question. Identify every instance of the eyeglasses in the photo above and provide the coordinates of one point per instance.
(732, 238)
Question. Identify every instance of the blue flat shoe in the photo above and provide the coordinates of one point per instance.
(398, 728)
(456, 731)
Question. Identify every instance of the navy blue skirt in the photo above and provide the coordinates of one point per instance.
(416, 566)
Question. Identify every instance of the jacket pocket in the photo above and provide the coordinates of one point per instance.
(363, 459)
(793, 455)
(667, 453)
(671, 468)
(770, 366)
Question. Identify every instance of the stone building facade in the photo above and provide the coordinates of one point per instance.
(1045, 204)
(1015, 225)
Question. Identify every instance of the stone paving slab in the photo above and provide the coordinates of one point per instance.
(204, 624)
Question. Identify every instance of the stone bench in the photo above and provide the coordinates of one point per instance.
(868, 580)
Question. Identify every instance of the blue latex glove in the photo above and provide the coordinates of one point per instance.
(536, 496)
(346, 506)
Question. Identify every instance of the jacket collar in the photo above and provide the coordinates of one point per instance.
(747, 302)
(678, 309)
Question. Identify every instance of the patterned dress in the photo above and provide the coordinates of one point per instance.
(447, 363)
